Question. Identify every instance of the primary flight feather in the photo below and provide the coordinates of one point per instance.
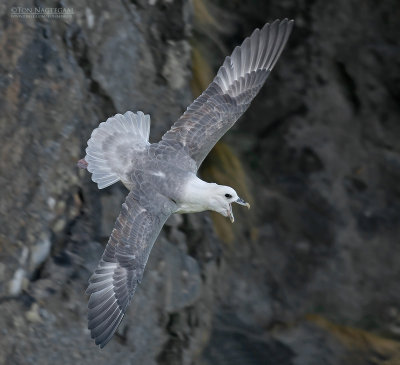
(162, 177)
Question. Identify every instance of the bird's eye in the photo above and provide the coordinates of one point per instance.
(228, 196)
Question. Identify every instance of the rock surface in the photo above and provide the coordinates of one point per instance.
(308, 276)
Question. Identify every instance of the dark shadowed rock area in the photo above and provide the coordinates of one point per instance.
(310, 275)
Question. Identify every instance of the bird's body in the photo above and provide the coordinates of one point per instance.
(157, 173)
(162, 177)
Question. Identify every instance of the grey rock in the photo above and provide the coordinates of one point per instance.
(2, 271)
(40, 251)
(16, 284)
(33, 314)
(176, 69)
(175, 220)
(182, 278)
(111, 206)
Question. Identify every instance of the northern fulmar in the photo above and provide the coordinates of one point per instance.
(162, 177)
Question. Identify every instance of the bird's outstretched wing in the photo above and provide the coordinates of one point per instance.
(237, 82)
(121, 267)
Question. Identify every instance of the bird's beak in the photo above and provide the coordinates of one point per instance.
(242, 202)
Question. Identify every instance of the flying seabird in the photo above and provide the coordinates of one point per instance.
(161, 177)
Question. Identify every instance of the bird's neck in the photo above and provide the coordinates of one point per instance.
(197, 195)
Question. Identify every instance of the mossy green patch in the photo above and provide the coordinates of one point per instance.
(363, 346)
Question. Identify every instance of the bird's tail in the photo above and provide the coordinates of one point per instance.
(112, 145)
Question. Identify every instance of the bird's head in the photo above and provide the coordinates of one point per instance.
(222, 198)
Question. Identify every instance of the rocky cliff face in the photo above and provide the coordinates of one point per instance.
(309, 276)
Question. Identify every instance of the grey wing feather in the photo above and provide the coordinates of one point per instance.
(237, 82)
(121, 267)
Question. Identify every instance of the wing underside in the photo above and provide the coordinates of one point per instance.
(113, 284)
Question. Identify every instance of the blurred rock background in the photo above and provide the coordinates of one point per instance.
(310, 275)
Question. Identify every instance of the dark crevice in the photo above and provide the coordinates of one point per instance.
(82, 198)
(171, 24)
(309, 161)
(63, 259)
(170, 27)
(172, 352)
(180, 327)
(349, 86)
(38, 273)
(61, 240)
(75, 40)
(25, 298)
(136, 3)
